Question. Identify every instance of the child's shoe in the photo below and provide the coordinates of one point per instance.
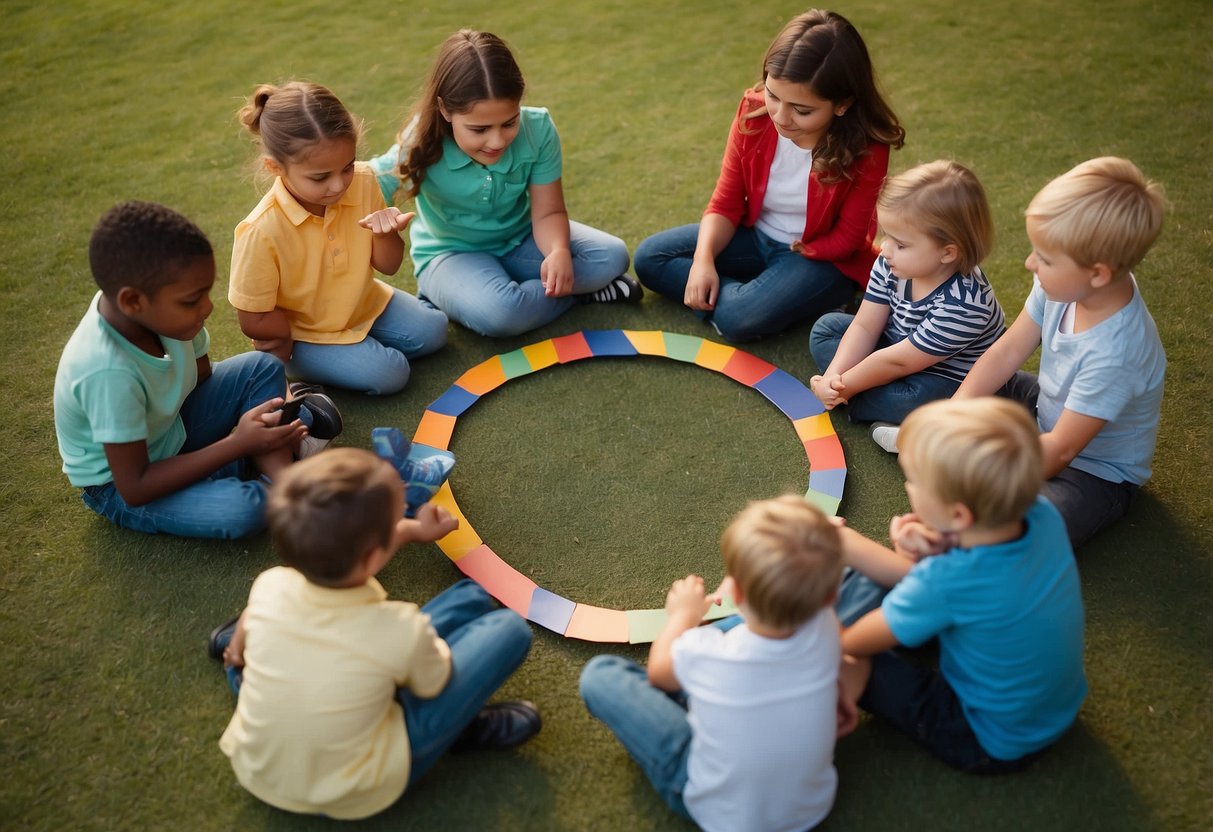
(326, 418)
(423, 470)
(499, 726)
(221, 636)
(623, 288)
(884, 434)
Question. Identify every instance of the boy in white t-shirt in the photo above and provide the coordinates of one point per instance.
(735, 729)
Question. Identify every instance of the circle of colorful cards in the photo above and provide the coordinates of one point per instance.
(827, 468)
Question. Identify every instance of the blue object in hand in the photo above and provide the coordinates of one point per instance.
(422, 469)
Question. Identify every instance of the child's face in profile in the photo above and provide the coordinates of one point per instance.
(486, 129)
(1063, 280)
(321, 175)
(179, 309)
(930, 509)
(911, 253)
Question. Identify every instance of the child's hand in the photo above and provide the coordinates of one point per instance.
(258, 432)
(687, 601)
(799, 247)
(703, 285)
(387, 221)
(556, 273)
(725, 590)
(913, 539)
(829, 390)
(432, 522)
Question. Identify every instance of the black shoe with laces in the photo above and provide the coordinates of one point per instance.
(499, 726)
(623, 289)
(326, 418)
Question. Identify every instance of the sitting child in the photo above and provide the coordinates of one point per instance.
(155, 435)
(928, 313)
(1002, 595)
(1099, 392)
(345, 697)
(736, 729)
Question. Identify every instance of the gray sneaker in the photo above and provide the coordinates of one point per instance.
(884, 434)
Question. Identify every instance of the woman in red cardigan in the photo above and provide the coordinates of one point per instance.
(788, 233)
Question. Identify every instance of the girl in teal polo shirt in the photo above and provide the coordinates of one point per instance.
(492, 244)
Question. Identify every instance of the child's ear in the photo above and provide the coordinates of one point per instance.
(130, 301)
(1101, 275)
(961, 517)
(951, 253)
(442, 109)
(272, 166)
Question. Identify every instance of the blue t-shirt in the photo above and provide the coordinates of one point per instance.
(466, 206)
(958, 321)
(1112, 371)
(108, 391)
(1009, 619)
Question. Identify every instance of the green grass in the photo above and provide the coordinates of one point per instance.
(602, 480)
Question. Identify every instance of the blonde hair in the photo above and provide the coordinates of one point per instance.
(327, 511)
(1101, 211)
(786, 557)
(289, 119)
(945, 201)
(983, 453)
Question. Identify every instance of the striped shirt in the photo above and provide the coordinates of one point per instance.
(958, 321)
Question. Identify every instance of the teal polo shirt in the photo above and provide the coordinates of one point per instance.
(466, 206)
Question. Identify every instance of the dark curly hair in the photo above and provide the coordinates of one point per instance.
(143, 245)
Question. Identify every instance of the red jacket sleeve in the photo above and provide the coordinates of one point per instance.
(854, 225)
(731, 197)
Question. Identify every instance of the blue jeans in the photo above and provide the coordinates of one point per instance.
(221, 505)
(503, 296)
(765, 287)
(379, 363)
(1088, 504)
(890, 402)
(651, 724)
(857, 596)
(487, 645)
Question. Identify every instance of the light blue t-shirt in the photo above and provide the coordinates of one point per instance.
(1009, 619)
(108, 391)
(466, 206)
(1112, 371)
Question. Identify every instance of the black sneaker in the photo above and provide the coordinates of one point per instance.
(623, 289)
(499, 726)
(326, 418)
(221, 636)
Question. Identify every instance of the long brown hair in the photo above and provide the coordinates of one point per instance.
(470, 67)
(823, 51)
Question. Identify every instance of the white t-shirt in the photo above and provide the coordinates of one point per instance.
(762, 715)
(787, 198)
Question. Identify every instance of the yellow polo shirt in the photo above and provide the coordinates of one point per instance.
(317, 728)
(317, 269)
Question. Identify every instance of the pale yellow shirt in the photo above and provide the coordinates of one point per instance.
(317, 728)
(317, 269)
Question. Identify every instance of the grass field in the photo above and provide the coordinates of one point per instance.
(602, 480)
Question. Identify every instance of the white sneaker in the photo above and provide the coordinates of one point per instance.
(884, 434)
(310, 446)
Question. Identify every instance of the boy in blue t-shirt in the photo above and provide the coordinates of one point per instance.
(983, 564)
(1099, 392)
(147, 427)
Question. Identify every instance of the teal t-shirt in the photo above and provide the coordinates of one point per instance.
(108, 391)
(466, 206)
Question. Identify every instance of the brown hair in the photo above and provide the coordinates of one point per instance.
(945, 201)
(289, 119)
(982, 453)
(470, 67)
(786, 557)
(327, 511)
(823, 51)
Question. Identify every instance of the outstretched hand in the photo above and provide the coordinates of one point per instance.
(387, 221)
(431, 523)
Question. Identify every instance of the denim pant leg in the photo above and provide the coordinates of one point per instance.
(825, 337)
(893, 402)
(236, 385)
(857, 596)
(1088, 504)
(410, 325)
(487, 645)
(650, 724)
(663, 261)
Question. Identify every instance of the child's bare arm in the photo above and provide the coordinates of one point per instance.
(1002, 359)
(868, 636)
(233, 654)
(431, 523)
(685, 604)
(387, 248)
(141, 481)
(1067, 439)
(269, 331)
(884, 365)
(880, 563)
(550, 225)
(856, 344)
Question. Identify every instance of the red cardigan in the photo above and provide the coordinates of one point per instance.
(840, 223)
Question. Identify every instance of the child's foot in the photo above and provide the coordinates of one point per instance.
(500, 725)
(220, 637)
(326, 418)
(884, 434)
(623, 288)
